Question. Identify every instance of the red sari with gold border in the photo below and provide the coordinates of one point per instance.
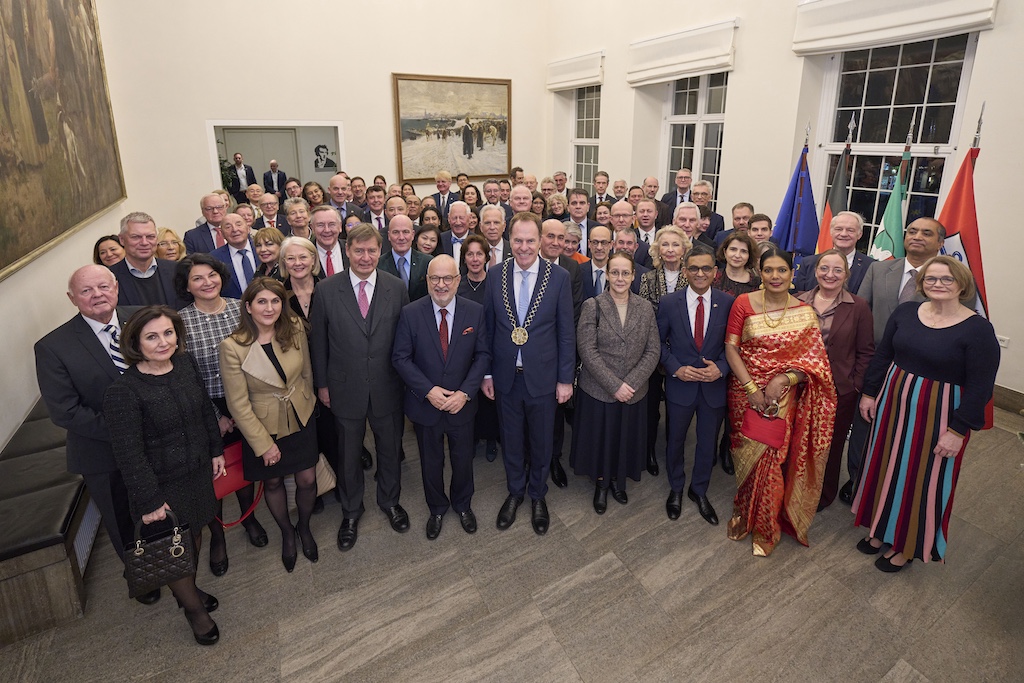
(778, 489)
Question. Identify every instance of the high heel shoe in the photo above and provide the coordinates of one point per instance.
(256, 533)
(219, 568)
(312, 554)
(289, 560)
(209, 602)
(208, 638)
(600, 500)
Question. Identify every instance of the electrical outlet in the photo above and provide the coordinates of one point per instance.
(1003, 341)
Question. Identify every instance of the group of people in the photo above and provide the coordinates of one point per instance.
(294, 331)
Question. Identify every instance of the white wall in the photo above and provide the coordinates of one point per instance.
(171, 71)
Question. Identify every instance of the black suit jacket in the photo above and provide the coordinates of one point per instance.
(642, 256)
(671, 200)
(128, 292)
(576, 283)
(250, 178)
(351, 356)
(232, 288)
(349, 209)
(74, 371)
(281, 223)
(417, 357)
(717, 225)
(268, 182)
(594, 201)
(678, 347)
(452, 197)
(445, 243)
(587, 279)
(198, 240)
(418, 262)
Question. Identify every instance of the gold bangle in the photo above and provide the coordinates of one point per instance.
(794, 378)
(751, 388)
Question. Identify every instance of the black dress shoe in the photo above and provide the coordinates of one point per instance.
(399, 518)
(540, 517)
(348, 533)
(703, 506)
(434, 526)
(150, 597)
(318, 506)
(600, 500)
(507, 513)
(492, 450)
(209, 602)
(256, 533)
(468, 521)
(367, 459)
(864, 545)
(558, 477)
(312, 553)
(727, 464)
(652, 464)
(289, 560)
(619, 494)
(219, 568)
(846, 493)
(209, 638)
(885, 564)
(674, 505)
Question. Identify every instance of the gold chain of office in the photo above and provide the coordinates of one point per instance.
(519, 333)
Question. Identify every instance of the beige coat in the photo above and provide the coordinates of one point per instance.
(613, 353)
(260, 403)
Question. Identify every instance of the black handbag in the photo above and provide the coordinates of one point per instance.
(155, 562)
(571, 403)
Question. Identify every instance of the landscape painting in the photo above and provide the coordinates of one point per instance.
(59, 163)
(460, 125)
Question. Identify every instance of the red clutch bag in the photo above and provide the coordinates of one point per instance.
(771, 431)
(233, 480)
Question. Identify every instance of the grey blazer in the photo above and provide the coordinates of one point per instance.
(613, 353)
(881, 289)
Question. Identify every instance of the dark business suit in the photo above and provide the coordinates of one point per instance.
(804, 279)
(594, 201)
(128, 293)
(349, 209)
(684, 399)
(508, 214)
(717, 225)
(585, 227)
(233, 288)
(451, 197)
(587, 279)
(671, 200)
(235, 188)
(199, 240)
(576, 285)
(281, 223)
(419, 361)
(418, 262)
(268, 183)
(444, 244)
(74, 370)
(642, 256)
(526, 397)
(351, 357)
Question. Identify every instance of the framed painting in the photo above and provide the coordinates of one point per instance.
(459, 125)
(58, 151)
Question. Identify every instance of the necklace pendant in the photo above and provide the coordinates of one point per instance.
(519, 335)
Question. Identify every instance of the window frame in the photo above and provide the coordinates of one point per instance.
(575, 142)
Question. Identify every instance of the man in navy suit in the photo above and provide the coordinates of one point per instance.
(142, 278)
(846, 230)
(692, 324)
(242, 176)
(741, 215)
(274, 180)
(626, 240)
(441, 353)
(601, 193)
(594, 273)
(404, 262)
(206, 237)
(492, 227)
(238, 254)
(681, 192)
(702, 192)
(492, 197)
(664, 214)
(272, 217)
(621, 224)
(579, 206)
(340, 190)
(458, 221)
(529, 320)
(443, 198)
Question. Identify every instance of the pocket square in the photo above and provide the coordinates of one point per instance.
(466, 331)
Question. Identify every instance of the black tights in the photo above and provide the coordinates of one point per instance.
(277, 501)
(218, 545)
(191, 598)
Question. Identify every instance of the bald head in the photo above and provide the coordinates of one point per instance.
(93, 291)
(521, 199)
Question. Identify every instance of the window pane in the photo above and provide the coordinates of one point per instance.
(952, 48)
(597, 129)
(880, 85)
(863, 202)
(910, 85)
(716, 101)
(921, 205)
(687, 158)
(717, 80)
(917, 53)
(580, 128)
(865, 173)
(890, 169)
(874, 125)
(676, 136)
(675, 158)
(581, 108)
(843, 124)
(945, 83)
(937, 123)
(901, 118)
(855, 60)
(928, 175)
(713, 134)
(597, 103)
(851, 90)
(882, 57)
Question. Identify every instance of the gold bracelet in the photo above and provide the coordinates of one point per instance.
(751, 388)
(794, 378)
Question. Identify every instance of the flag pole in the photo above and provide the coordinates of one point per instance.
(903, 164)
(977, 133)
(800, 187)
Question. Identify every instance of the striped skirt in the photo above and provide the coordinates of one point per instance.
(906, 492)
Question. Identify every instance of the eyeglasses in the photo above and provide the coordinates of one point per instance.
(693, 270)
(616, 274)
(946, 280)
(600, 243)
(699, 194)
(447, 279)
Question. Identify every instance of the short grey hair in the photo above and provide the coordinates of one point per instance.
(292, 202)
(135, 217)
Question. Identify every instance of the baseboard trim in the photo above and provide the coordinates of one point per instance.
(1008, 399)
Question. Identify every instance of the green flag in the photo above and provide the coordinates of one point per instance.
(888, 242)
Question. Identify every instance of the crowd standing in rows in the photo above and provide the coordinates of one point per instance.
(291, 316)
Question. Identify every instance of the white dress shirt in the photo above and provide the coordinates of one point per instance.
(101, 334)
(236, 263)
(371, 285)
(450, 316)
(691, 305)
(339, 265)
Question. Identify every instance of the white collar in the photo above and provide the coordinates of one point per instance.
(97, 326)
(354, 279)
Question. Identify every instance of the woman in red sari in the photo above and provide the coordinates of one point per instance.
(779, 366)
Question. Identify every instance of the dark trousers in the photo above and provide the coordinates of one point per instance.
(678, 418)
(563, 416)
(858, 443)
(521, 414)
(111, 497)
(387, 431)
(460, 447)
(327, 437)
(655, 395)
(845, 409)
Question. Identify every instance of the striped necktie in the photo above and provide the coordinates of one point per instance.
(114, 349)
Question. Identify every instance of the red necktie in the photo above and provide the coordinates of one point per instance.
(330, 264)
(443, 331)
(219, 238)
(698, 324)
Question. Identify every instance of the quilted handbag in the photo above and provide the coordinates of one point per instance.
(771, 431)
(155, 562)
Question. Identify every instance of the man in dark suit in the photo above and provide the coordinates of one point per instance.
(444, 198)
(692, 325)
(594, 273)
(206, 237)
(702, 192)
(492, 227)
(340, 190)
(458, 222)
(846, 230)
(353, 318)
(271, 218)
(492, 197)
(274, 180)
(238, 254)
(681, 192)
(242, 176)
(142, 278)
(886, 285)
(622, 225)
(741, 215)
(529, 321)
(325, 224)
(75, 364)
(579, 206)
(625, 240)
(441, 352)
(601, 193)
(664, 213)
(374, 214)
(404, 262)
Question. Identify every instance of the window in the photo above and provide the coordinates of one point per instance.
(585, 136)
(696, 126)
(884, 90)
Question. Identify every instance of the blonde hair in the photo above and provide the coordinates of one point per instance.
(960, 273)
(173, 237)
(655, 249)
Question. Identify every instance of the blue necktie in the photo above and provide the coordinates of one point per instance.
(457, 240)
(598, 282)
(524, 296)
(114, 349)
(246, 266)
(403, 270)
